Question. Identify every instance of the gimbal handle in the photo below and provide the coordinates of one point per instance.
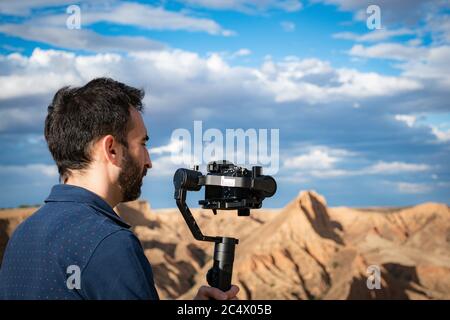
(219, 276)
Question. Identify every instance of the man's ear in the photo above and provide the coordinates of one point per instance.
(112, 150)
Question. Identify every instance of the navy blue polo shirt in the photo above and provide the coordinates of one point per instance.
(75, 247)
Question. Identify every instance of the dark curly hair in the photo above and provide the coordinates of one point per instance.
(78, 117)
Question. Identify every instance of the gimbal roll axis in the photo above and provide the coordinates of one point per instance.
(227, 187)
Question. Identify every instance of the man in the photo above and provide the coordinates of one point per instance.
(75, 246)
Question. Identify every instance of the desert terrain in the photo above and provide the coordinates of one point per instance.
(305, 250)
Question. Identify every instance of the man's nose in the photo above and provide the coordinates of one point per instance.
(148, 161)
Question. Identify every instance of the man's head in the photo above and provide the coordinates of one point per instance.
(97, 132)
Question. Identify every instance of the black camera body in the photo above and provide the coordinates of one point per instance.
(227, 187)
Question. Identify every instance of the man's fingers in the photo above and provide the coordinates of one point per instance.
(217, 294)
(232, 292)
(210, 292)
(205, 292)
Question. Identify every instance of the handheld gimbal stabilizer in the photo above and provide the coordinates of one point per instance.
(227, 187)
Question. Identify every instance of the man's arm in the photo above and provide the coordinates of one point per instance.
(118, 269)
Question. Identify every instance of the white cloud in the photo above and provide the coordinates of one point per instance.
(439, 27)
(227, 56)
(173, 146)
(155, 18)
(248, 5)
(410, 120)
(433, 65)
(30, 169)
(332, 173)
(380, 168)
(394, 51)
(52, 30)
(395, 167)
(389, 169)
(27, 77)
(135, 11)
(188, 74)
(23, 8)
(415, 42)
(423, 64)
(315, 81)
(441, 135)
(375, 35)
(133, 14)
(439, 131)
(317, 158)
(18, 117)
(412, 188)
(82, 39)
(122, 13)
(169, 159)
(241, 53)
(162, 73)
(288, 26)
(321, 162)
(392, 11)
(162, 167)
(316, 161)
(171, 156)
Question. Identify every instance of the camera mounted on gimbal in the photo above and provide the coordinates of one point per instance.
(227, 187)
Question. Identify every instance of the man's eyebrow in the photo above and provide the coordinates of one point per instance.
(146, 138)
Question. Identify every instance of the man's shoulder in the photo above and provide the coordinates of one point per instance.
(66, 215)
(118, 269)
(120, 241)
(69, 232)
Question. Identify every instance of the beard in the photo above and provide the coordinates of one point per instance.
(130, 178)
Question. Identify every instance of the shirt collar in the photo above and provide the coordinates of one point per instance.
(70, 193)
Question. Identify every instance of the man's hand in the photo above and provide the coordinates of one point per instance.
(206, 293)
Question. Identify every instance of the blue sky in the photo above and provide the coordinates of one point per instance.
(363, 115)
